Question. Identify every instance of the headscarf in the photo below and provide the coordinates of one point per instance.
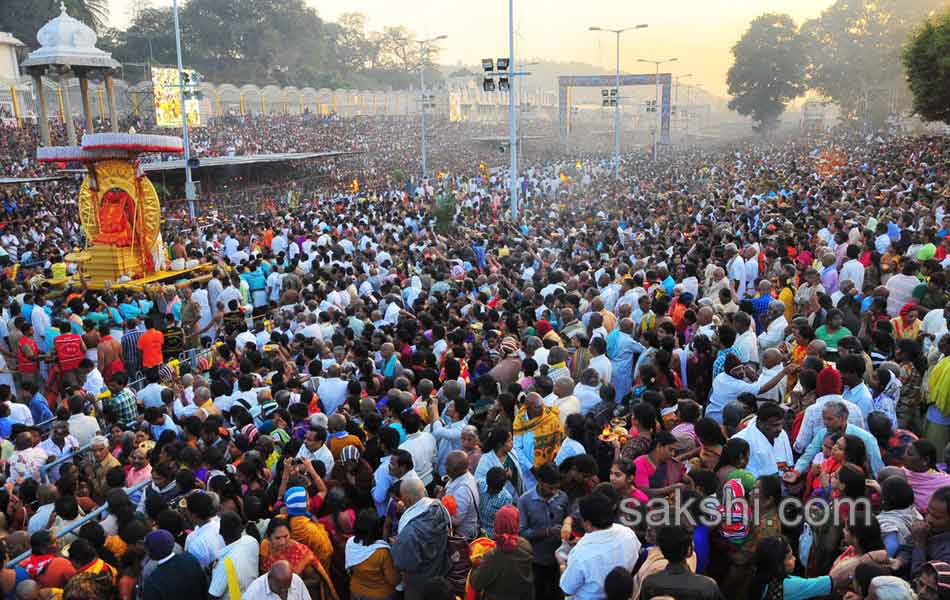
(905, 310)
(296, 500)
(542, 327)
(926, 252)
(506, 528)
(829, 382)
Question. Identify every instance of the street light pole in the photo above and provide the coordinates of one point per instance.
(659, 110)
(423, 54)
(512, 116)
(676, 90)
(617, 32)
(521, 106)
(189, 184)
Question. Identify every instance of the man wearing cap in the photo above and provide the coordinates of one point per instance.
(542, 510)
(176, 576)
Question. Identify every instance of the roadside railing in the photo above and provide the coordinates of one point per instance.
(78, 524)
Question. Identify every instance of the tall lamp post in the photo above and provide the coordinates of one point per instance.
(521, 106)
(189, 184)
(423, 54)
(617, 32)
(676, 90)
(659, 111)
(512, 117)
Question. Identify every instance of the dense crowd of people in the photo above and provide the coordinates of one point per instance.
(401, 392)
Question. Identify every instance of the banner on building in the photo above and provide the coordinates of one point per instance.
(168, 99)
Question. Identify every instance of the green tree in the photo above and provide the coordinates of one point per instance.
(854, 52)
(23, 18)
(768, 70)
(284, 42)
(927, 60)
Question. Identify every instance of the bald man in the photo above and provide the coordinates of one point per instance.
(463, 487)
(420, 551)
(772, 366)
(280, 581)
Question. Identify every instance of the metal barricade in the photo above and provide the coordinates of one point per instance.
(86, 519)
(45, 469)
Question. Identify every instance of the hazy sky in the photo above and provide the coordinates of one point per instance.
(698, 32)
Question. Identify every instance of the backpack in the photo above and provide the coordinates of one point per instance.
(68, 351)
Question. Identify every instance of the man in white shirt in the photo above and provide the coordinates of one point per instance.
(242, 552)
(774, 333)
(90, 376)
(58, 443)
(332, 390)
(81, 426)
(421, 445)
(280, 583)
(312, 329)
(735, 269)
(40, 321)
(772, 366)
(20, 413)
(599, 361)
(746, 344)
(151, 394)
(605, 546)
(769, 449)
(315, 447)
(853, 270)
(205, 542)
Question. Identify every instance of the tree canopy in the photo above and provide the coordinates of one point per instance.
(852, 54)
(247, 41)
(927, 60)
(769, 69)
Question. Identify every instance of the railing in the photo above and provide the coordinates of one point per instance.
(86, 519)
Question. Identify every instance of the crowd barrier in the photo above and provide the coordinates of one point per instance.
(191, 357)
(78, 524)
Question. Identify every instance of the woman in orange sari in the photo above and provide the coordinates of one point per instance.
(278, 545)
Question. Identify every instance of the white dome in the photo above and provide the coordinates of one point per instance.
(66, 32)
(65, 40)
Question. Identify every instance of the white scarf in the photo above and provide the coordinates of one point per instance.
(414, 511)
(357, 553)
